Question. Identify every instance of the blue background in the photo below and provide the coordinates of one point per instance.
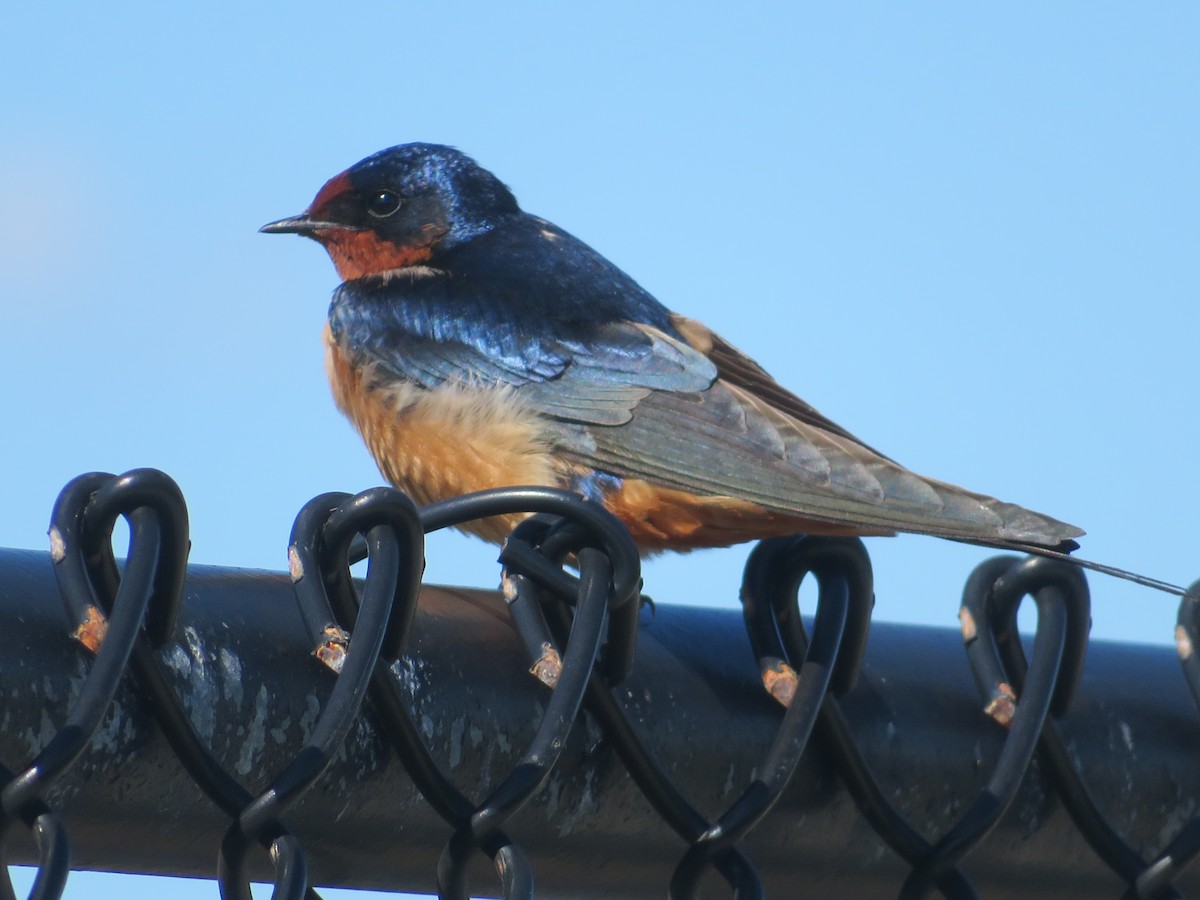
(967, 234)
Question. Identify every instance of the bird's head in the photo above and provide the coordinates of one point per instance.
(401, 207)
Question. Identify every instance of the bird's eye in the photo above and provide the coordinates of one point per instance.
(382, 204)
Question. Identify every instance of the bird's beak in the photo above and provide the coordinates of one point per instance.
(303, 224)
(300, 224)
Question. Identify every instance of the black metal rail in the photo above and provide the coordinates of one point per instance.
(156, 723)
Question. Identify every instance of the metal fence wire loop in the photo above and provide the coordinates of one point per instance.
(81, 528)
(1187, 639)
(91, 583)
(605, 530)
(1000, 660)
(328, 534)
(321, 536)
(609, 579)
(770, 601)
(513, 870)
(1154, 881)
(107, 611)
(287, 859)
(610, 576)
(714, 845)
(1026, 577)
(54, 851)
(538, 550)
(770, 594)
(989, 600)
(578, 521)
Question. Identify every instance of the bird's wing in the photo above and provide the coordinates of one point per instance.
(749, 437)
(738, 370)
(693, 415)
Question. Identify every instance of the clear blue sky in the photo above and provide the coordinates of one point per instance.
(967, 234)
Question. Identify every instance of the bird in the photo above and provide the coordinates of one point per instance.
(475, 345)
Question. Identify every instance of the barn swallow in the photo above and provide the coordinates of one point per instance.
(474, 346)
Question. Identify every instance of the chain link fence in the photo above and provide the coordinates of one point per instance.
(312, 728)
